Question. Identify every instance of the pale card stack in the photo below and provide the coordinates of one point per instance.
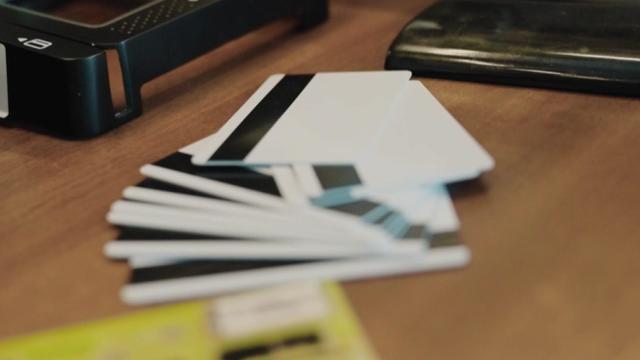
(330, 176)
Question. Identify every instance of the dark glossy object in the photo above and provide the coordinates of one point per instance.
(57, 75)
(585, 46)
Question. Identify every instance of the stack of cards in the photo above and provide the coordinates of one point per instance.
(338, 176)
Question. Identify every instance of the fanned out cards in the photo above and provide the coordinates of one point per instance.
(332, 176)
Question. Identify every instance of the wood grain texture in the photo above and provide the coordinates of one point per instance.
(554, 230)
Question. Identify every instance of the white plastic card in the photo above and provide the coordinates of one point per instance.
(422, 144)
(326, 118)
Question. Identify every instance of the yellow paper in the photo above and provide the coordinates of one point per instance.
(325, 328)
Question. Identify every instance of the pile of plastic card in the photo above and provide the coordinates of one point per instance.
(339, 176)
(294, 321)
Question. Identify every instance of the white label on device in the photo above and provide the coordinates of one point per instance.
(4, 90)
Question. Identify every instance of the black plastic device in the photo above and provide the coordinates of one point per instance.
(587, 46)
(53, 71)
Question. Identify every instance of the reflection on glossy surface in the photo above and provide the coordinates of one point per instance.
(92, 12)
(578, 45)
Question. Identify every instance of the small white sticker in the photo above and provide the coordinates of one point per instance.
(37, 44)
(4, 89)
(270, 309)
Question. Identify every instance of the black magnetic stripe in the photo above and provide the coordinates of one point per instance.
(256, 125)
(337, 176)
(178, 161)
(415, 232)
(163, 186)
(204, 267)
(129, 233)
(357, 208)
(444, 240)
(385, 217)
(235, 175)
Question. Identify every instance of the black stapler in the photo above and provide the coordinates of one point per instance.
(53, 70)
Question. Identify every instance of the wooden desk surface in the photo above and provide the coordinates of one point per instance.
(554, 230)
